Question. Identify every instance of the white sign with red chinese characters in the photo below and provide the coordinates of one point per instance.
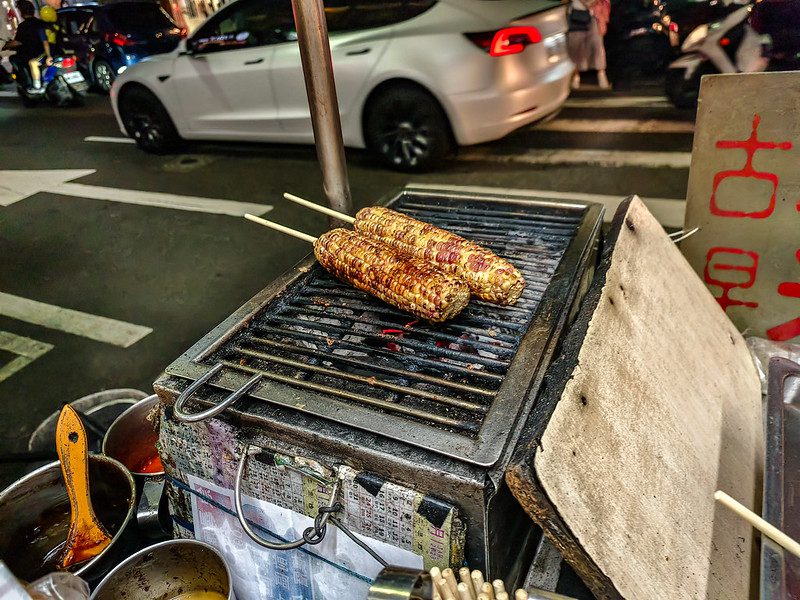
(744, 195)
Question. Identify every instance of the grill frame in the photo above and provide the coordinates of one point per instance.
(508, 408)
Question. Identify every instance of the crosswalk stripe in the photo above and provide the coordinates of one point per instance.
(109, 139)
(619, 102)
(617, 126)
(602, 158)
(7, 94)
(26, 349)
(101, 329)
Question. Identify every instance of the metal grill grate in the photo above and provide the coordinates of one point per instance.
(431, 385)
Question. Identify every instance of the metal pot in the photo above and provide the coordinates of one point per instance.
(176, 568)
(131, 439)
(35, 514)
(400, 583)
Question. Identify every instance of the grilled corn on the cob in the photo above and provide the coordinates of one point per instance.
(408, 283)
(488, 276)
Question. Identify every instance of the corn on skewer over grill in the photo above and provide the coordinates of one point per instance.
(409, 284)
(488, 276)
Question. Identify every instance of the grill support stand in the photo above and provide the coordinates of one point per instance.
(315, 53)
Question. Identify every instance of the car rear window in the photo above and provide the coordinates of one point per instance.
(137, 16)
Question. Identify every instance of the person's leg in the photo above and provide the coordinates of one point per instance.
(602, 80)
(36, 73)
(576, 49)
(598, 52)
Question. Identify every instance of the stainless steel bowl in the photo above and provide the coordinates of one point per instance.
(167, 570)
(35, 514)
(132, 437)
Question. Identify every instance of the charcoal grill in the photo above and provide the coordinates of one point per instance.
(312, 363)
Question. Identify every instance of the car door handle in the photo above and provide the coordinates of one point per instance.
(359, 52)
(255, 61)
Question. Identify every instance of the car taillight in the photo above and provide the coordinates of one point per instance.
(117, 38)
(510, 40)
(68, 63)
(725, 42)
(673, 27)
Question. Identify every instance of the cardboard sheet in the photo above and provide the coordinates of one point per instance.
(653, 405)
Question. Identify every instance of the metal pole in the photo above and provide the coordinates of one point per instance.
(315, 52)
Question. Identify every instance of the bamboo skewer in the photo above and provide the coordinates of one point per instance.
(487, 590)
(323, 209)
(282, 228)
(769, 530)
(464, 591)
(450, 578)
(477, 581)
(466, 578)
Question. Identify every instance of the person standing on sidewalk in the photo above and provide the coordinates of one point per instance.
(588, 23)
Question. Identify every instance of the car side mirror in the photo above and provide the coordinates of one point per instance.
(188, 46)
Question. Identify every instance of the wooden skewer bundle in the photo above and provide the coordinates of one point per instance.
(473, 586)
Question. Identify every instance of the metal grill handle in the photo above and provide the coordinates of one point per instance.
(185, 417)
(312, 535)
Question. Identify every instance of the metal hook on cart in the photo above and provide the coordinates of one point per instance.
(185, 417)
(312, 535)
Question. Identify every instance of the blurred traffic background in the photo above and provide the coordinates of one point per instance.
(155, 126)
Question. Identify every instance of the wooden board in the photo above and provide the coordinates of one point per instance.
(744, 195)
(653, 404)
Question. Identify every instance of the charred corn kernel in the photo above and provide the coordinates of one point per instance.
(407, 283)
(488, 276)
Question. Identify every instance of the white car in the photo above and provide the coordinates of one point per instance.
(413, 77)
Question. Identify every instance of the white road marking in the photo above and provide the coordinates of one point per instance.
(668, 211)
(620, 102)
(161, 200)
(108, 140)
(26, 349)
(18, 185)
(7, 94)
(603, 158)
(618, 126)
(101, 329)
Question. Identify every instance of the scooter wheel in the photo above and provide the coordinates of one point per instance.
(26, 100)
(683, 92)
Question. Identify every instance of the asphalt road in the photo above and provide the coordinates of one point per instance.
(166, 276)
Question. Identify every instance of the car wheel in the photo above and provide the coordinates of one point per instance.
(147, 121)
(407, 129)
(103, 75)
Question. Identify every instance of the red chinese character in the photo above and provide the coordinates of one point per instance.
(733, 253)
(791, 328)
(750, 146)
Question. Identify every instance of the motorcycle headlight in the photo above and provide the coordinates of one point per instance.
(695, 38)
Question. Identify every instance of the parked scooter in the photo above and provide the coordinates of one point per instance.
(727, 46)
(63, 83)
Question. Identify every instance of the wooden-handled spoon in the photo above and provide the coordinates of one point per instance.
(87, 537)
